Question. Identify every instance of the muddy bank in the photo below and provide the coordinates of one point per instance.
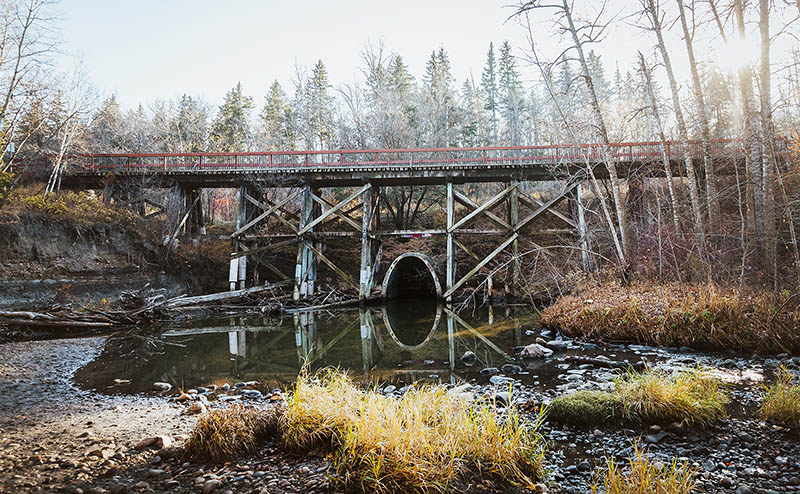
(46, 260)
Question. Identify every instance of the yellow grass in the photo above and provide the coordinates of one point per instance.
(691, 397)
(643, 476)
(222, 435)
(782, 401)
(677, 314)
(425, 441)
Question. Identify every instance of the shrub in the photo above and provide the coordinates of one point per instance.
(585, 408)
(781, 401)
(427, 440)
(680, 315)
(646, 477)
(690, 397)
(221, 435)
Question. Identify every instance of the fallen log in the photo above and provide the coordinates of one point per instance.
(216, 297)
(29, 323)
(27, 315)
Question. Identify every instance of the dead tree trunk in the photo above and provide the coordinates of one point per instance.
(712, 199)
(699, 227)
(767, 136)
(651, 96)
(601, 129)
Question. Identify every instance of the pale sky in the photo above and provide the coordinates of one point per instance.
(149, 49)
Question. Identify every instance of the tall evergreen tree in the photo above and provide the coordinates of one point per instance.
(489, 86)
(511, 98)
(275, 120)
(231, 127)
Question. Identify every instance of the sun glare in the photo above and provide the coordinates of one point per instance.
(736, 54)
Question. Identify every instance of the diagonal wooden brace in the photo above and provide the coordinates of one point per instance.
(534, 203)
(340, 214)
(545, 207)
(466, 201)
(481, 264)
(480, 209)
(334, 209)
(265, 214)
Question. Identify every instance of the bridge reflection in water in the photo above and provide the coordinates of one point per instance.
(399, 341)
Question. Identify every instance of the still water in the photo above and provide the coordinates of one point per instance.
(401, 342)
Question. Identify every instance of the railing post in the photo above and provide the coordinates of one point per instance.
(200, 162)
(270, 160)
(165, 162)
(376, 158)
(235, 161)
(483, 153)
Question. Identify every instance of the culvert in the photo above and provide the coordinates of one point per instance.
(411, 275)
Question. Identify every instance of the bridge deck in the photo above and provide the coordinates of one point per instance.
(382, 166)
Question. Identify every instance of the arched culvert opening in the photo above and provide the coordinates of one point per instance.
(411, 275)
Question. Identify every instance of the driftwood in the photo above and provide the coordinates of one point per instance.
(609, 364)
(56, 324)
(223, 296)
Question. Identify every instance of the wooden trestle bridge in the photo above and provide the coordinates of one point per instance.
(281, 199)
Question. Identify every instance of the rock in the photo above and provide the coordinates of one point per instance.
(500, 380)
(501, 398)
(469, 358)
(157, 442)
(163, 387)
(490, 371)
(654, 438)
(744, 489)
(184, 397)
(196, 408)
(118, 489)
(558, 345)
(511, 369)
(250, 393)
(584, 466)
(389, 389)
(534, 351)
(170, 452)
(100, 452)
(210, 485)
(225, 387)
(540, 489)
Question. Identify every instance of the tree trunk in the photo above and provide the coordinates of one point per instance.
(691, 176)
(712, 199)
(601, 128)
(664, 154)
(767, 142)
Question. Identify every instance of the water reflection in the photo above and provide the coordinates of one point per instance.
(399, 342)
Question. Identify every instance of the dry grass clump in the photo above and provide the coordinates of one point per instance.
(424, 441)
(221, 435)
(78, 207)
(690, 397)
(693, 398)
(643, 476)
(680, 314)
(782, 400)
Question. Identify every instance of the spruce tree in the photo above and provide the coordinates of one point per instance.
(231, 127)
(489, 85)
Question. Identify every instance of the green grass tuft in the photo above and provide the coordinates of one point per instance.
(781, 401)
(585, 408)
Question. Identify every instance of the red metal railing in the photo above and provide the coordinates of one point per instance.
(524, 155)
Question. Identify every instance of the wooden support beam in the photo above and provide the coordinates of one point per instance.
(484, 262)
(485, 206)
(340, 214)
(247, 252)
(534, 203)
(451, 266)
(333, 210)
(265, 214)
(183, 221)
(271, 267)
(466, 201)
(333, 266)
(544, 208)
(282, 218)
(471, 254)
